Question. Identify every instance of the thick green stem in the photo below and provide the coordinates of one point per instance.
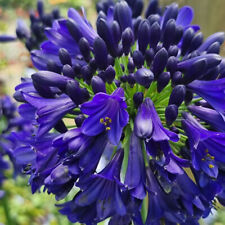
(126, 146)
(144, 209)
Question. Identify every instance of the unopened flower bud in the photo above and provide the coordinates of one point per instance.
(85, 49)
(143, 35)
(154, 18)
(217, 37)
(179, 34)
(87, 73)
(196, 41)
(40, 8)
(155, 34)
(68, 71)
(169, 33)
(97, 84)
(127, 40)
(138, 59)
(195, 71)
(171, 114)
(149, 56)
(187, 39)
(173, 50)
(64, 57)
(177, 78)
(123, 15)
(100, 53)
(110, 74)
(74, 30)
(144, 77)
(153, 8)
(53, 67)
(214, 48)
(163, 80)
(177, 96)
(172, 64)
(160, 61)
(131, 65)
(131, 79)
(138, 98)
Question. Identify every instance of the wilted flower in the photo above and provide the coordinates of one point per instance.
(110, 108)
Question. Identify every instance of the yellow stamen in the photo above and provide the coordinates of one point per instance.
(106, 122)
(211, 166)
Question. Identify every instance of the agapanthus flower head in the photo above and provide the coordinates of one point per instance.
(32, 36)
(12, 128)
(39, 20)
(117, 105)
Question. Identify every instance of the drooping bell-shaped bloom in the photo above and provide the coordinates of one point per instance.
(59, 182)
(135, 174)
(148, 124)
(74, 212)
(210, 116)
(161, 204)
(101, 191)
(132, 211)
(168, 200)
(163, 153)
(211, 91)
(80, 149)
(207, 147)
(74, 140)
(49, 111)
(106, 113)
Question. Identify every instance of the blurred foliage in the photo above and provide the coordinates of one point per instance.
(25, 4)
(220, 218)
(20, 207)
(70, 3)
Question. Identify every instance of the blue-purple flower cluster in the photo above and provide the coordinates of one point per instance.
(14, 131)
(34, 35)
(130, 116)
(39, 20)
(7, 110)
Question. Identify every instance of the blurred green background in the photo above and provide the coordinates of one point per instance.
(19, 205)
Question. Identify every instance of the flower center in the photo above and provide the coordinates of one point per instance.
(208, 158)
(106, 122)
